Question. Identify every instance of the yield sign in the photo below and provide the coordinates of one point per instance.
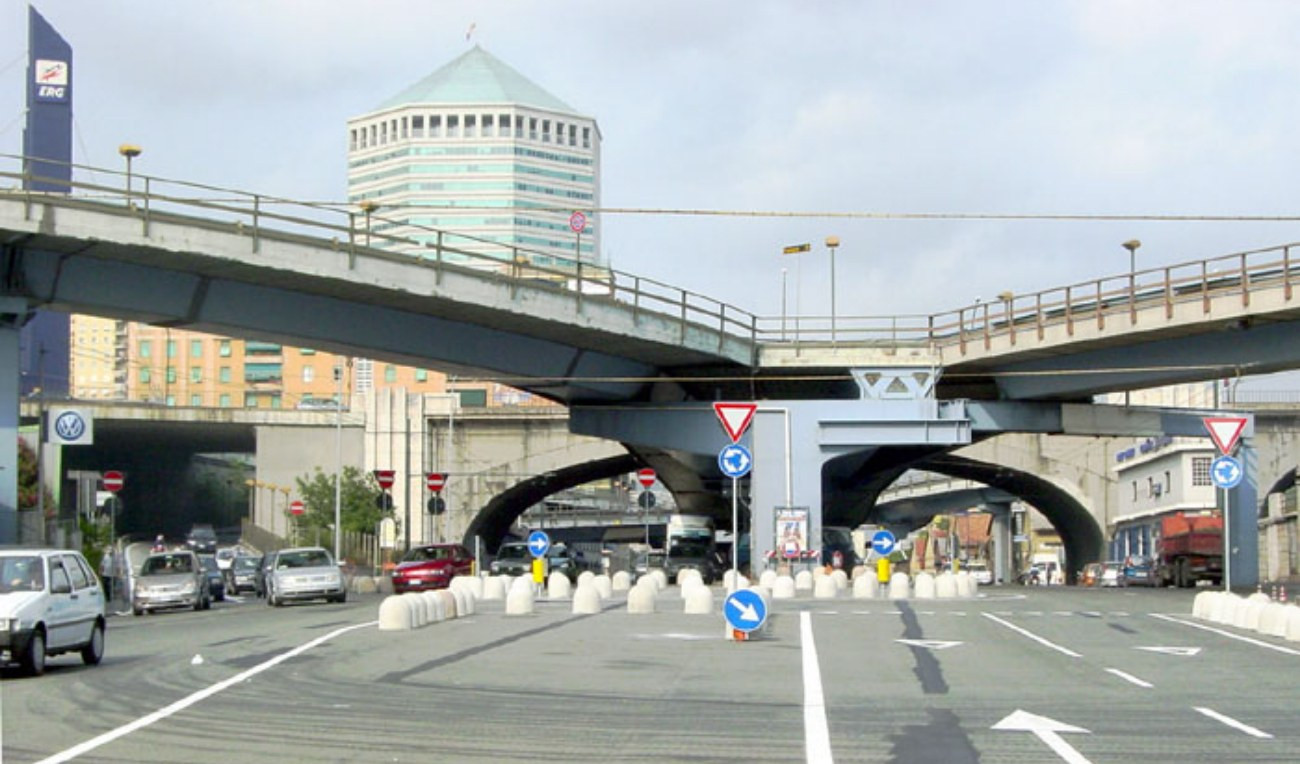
(1225, 430)
(735, 417)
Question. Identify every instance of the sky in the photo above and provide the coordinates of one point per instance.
(804, 119)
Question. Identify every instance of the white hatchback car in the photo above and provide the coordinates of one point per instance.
(51, 602)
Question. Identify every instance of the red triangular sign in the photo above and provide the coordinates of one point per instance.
(1225, 430)
(735, 417)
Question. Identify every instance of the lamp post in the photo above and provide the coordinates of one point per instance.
(784, 273)
(831, 243)
(129, 151)
(1132, 246)
(368, 206)
(338, 457)
(793, 249)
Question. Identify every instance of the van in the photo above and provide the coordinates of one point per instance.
(51, 602)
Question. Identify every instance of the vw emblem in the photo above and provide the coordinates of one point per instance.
(70, 426)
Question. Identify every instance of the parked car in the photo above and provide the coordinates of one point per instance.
(173, 579)
(1091, 574)
(216, 579)
(979, 572)
(202, 539)
(431, 566)
(1112, 574)
(304, 573)
(1139, 571)
(246, 575)
(51, 602)
(513, 559)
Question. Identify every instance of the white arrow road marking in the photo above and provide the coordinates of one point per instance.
(747, 611)
(929, 644)
(1130, 678)
(1047, 731)
(1184, 652)
(1228, 720)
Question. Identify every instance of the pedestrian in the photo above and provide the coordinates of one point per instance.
(108, 572)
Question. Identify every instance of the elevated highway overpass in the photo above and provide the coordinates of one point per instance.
(894, 392)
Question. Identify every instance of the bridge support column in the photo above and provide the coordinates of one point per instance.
(1002, 570)
(13, 314)
(1242, 523)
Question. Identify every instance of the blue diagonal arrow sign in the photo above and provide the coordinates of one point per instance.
(744, 610)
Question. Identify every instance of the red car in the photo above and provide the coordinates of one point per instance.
(431, 567)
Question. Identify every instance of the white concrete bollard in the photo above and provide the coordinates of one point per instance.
(586, 600)
(945, 585)
(783, 588)
(865, 588)
(1292, 623)
(1273, 620)
(641, 598)
(899, 586)
(803, 581)
(419, 615)
(621, 581)
(1202, 604)
(824, 588)
(449, 608)
(585, 575)
(522, 583)
(494, 588)
(1225, 611)
(429, 601)
(860, 571)
(689, 585)
(520, 600)
(558, 586)
(768, 578)
(395, 614)
(604, 586)
(966, 585)
(841, 579)
(1247, 615)
(690, 574)
(365, 584)
(699, 600)
(924, 586)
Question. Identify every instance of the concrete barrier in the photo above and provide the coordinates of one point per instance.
(365, 585)
(945, 585)
(621, 581)
(494, 588)
(859, 571)
(966, 586)
(449, 603)
(1203, 604)
(471, 584)
(1292, 623)
(521, 583)
(558, 586)
(900, 586)
(865, 587)
(395, 614)
(841, 579)
(429, 602)
(586, 600)
(1225, 610)
(783, 588)
(824, 588)
(699, 600)
(604, 586)
(803, 581)
(924, 586)
(585, 575)
(641, 598)
(1247, 615)
(1272, 621)
(520, 600)
(768, 578)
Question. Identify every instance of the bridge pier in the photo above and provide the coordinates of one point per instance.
(13, 314)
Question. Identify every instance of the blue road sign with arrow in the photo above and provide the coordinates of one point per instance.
(538, 543)
(745, 610)
(1226, 472)
(735, 461)
(883, 543)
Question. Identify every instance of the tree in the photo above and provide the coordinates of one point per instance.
(28, 477)
(358, 509)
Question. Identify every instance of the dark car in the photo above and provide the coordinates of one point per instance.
(246, 575)
(1138, 571)
(431, 567)
(513, 559)
(694, 554)
(202, 539)
(559, 558)
(216, 579)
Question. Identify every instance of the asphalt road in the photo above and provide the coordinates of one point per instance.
(1077, 675)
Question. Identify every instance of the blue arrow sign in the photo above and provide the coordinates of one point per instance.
(538, 543)
(1226, 472)
(735, 461)
(745, 610)
(883, 542)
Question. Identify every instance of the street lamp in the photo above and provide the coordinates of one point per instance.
(784, 272)
(793, 249)
(1132, 246)
(831, 243)
(129, 151)
(338, 457)
(368, 206)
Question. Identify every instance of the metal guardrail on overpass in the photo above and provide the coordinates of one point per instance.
(965, 330)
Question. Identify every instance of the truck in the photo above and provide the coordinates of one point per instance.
(691, 543)
(1189, 549)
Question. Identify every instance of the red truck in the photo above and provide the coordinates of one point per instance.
(1189, 549)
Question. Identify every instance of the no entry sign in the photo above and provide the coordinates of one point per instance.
(384, 478)
(646, 477)
(113, 481)
(435, 481)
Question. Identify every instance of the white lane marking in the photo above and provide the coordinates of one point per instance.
(1182, 652)
(1031, 635)
(1228, 720)
(816, 732)
(1130, 678)
(186, 702)
(1047, 730)
(1223, 633)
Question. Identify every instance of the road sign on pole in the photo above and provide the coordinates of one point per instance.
(1226, 472)
(385, 478)
(735, 461)
(113, 481)
(538, 543)
(883, 542)
(745, 610)
(1225, 430)
(735, 417)
(296, 507)
(577, 222)
(435, 481)
(645, 476)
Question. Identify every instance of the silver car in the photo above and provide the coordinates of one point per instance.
(304, 573)
(171, 580)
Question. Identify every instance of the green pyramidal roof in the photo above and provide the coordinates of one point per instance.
(476, 77)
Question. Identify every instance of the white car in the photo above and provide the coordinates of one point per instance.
(979, 572)
(51, 602)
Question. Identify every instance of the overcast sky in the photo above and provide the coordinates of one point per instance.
(1010, 108)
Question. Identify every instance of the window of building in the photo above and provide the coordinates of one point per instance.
(171, 400)
(1151, 487)
(146, 348)
(383, 133)
(1135, 491)
(473, 397)
(145, 376)
(405, 127)
(453, 126)
(196, 348)
(275, 401)
(224, 349)
(196, 400)
(586, 137)
(421, 375)
(532, 128)
(352, 140)
(373, 131)
(250, 400)
(487, 125)
(1169, 483)
(171, 373)
(1201, 471)
(223, 374)
(262, 372)
(471, 126)
(435, 126)
(390, 373)
(519, 126)
(196, 374)
(171, 348)
(308, 373)
(417, 126)
(224, 400)
(573, 135)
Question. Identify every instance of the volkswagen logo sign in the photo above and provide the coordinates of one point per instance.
(69, 426)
